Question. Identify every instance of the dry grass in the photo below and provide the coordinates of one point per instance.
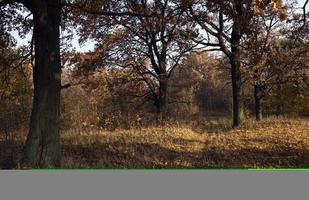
(272, 143)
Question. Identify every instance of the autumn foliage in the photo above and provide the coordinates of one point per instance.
(169, 83)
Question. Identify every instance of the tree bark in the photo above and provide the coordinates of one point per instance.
(238, 104)
(235, 61)
(43, 142)
(258, 103)
(162, 109)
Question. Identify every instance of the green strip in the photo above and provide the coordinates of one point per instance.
(281, 169)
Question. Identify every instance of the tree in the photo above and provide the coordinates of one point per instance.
(42, 147)
(43, 142)
(257, 51)
(287, 77)
(226, 23)
(153, 43)
(267, 58)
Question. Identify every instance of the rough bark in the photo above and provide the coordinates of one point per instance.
(238, 104)
(43, 142)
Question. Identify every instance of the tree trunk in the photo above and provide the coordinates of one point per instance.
(162, 111)
(258, 102)
(238, 103)
(43, 142)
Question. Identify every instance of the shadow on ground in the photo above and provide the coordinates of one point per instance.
(140, 155)
(10, 154)
(150, 155)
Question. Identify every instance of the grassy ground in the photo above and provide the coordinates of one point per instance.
(272, 143)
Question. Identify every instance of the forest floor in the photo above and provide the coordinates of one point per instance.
(271, 143)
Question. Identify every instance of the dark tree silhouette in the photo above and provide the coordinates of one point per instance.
(43, 144)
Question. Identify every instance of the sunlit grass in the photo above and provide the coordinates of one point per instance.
(272, 143)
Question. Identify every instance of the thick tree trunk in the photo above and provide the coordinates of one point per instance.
(238, 103)
(43, 143)
(258, 103)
